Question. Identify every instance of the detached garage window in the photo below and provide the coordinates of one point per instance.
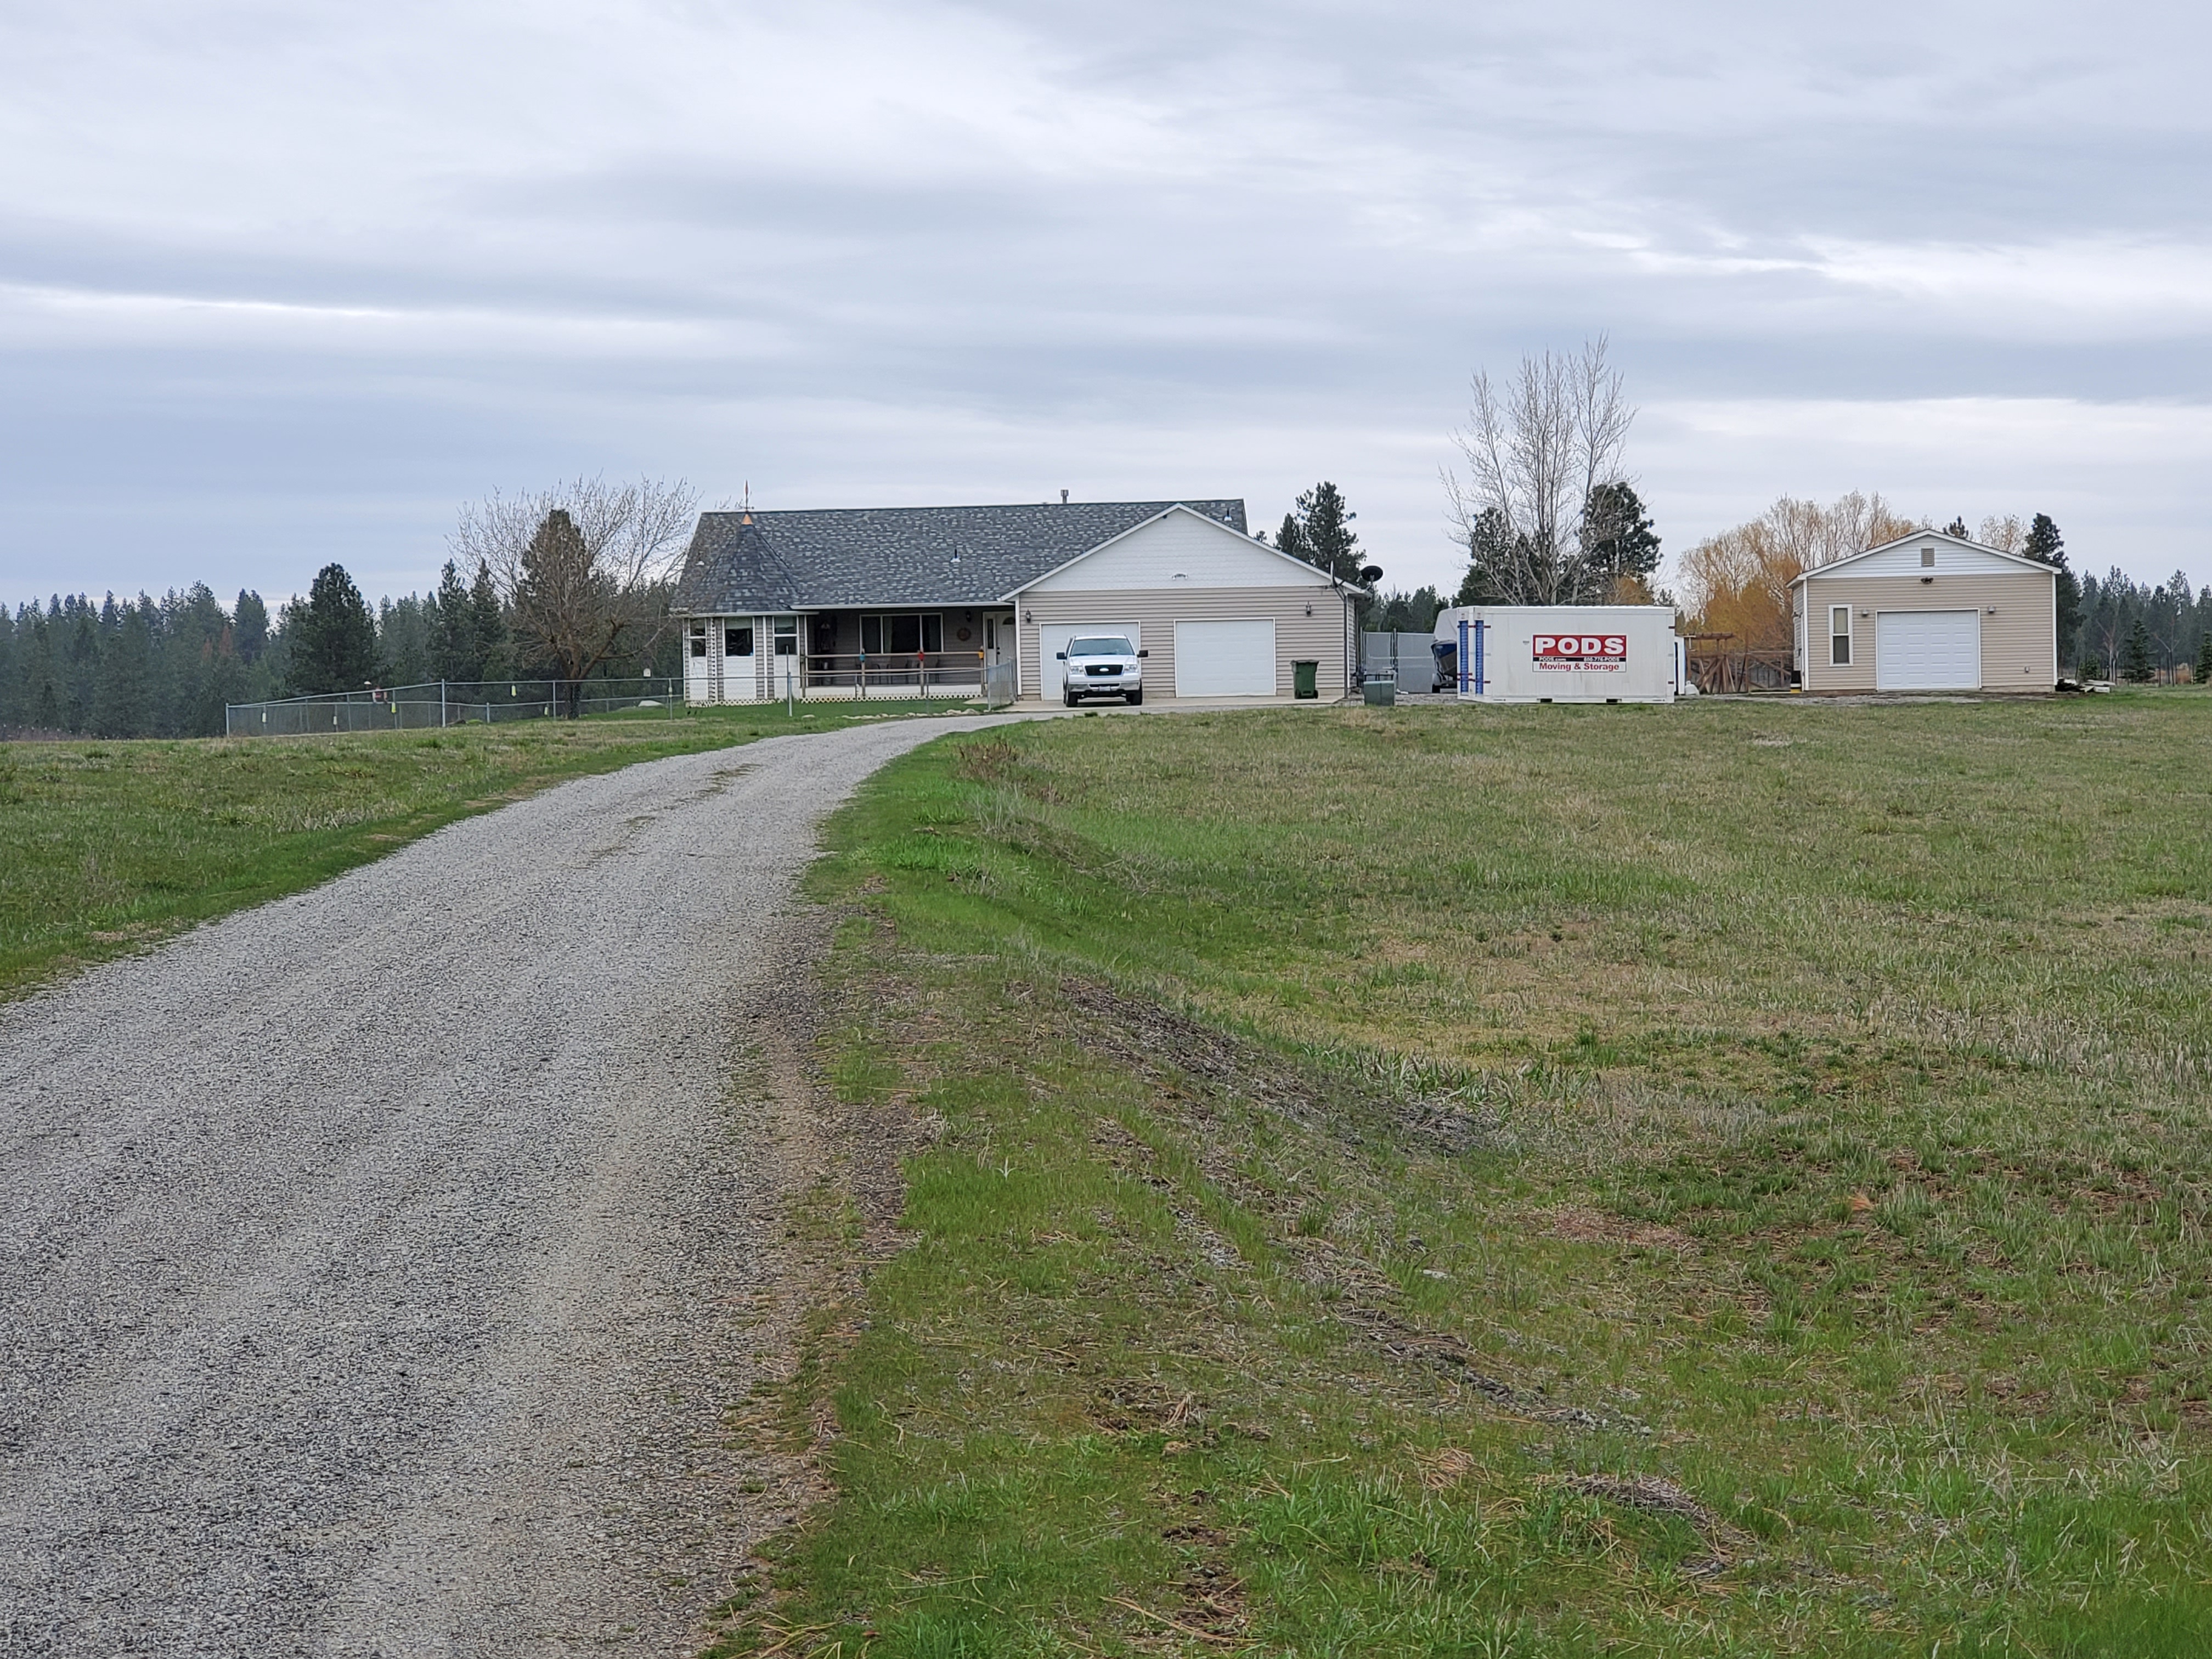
(698, 639)
(738, 641)
(786, 636)
(1839, 636)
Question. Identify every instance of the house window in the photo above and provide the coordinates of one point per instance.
(903, 634)
(1927, 558)
(738, 640)
(786, 636)
(699, 639)
(1839, 636)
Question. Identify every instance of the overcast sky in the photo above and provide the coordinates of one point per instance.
(289, 283)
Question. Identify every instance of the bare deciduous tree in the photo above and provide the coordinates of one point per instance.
(1536, 450)
(586, 566)
(2006, 532)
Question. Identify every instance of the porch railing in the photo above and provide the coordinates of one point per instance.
(897, 673)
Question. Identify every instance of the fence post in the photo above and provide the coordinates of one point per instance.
(442, 705)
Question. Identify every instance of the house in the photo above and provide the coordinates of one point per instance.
(925, 601)
(1927, 612)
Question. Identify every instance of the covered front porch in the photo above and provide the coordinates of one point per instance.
(960, 655)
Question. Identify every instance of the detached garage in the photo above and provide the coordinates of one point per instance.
(1216, 613)
(1927, 612)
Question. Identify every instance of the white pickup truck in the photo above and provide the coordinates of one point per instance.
(1102, 665)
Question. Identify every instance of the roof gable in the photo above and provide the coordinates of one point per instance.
(1954, 555)
(1177, 546)
(741, 563)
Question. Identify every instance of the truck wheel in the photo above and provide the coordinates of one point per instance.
(1136, 696)
(1069, 698)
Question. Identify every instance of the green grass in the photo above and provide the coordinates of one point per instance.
(1721, 1180)
(110, 846)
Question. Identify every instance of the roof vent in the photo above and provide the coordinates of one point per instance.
(1063, 498)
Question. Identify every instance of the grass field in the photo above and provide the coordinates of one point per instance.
(1725, 1180)
(110, 846)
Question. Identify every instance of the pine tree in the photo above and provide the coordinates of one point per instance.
(1325, 533)
(453, 654)
(11, 673)
(1617, 541)
(2135, 661)
(402, 641)
(2046, 546)
(2204, 658)
(42, 692)
(1495, 558)
(123, 706)
(80, 661)
(1957, 527)
(249, 628)
(489, 627)
(333, 638)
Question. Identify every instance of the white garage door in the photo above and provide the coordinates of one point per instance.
(1928, 651)
(1053, 638)
(1225, 659)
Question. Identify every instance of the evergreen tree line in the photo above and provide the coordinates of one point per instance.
(2142, 631)
(167, 667)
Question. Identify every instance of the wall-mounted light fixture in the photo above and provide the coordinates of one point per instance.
(1309, 607)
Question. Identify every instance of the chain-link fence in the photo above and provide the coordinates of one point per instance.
(447, 703)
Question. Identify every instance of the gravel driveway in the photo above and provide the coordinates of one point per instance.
(377, 1267)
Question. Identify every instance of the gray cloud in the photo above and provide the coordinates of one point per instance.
(279, 284)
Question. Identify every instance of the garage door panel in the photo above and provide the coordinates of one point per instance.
(1053, 638)
(1928, 651)
(1225, 659)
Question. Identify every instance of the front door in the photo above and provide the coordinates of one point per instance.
(740, 679)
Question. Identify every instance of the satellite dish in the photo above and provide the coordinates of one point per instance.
(1370, 573)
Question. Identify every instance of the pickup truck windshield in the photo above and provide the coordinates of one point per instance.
(1104, 645)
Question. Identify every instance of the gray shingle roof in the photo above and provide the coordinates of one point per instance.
(841, 557)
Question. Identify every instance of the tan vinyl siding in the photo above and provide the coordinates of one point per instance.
(2019, 643)
(1157, 610)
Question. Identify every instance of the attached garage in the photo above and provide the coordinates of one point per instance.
(1218, 613)
(1927, 612)
(1225, 659)
(1055, 635)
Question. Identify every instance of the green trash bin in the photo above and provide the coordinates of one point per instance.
(1304, 670)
